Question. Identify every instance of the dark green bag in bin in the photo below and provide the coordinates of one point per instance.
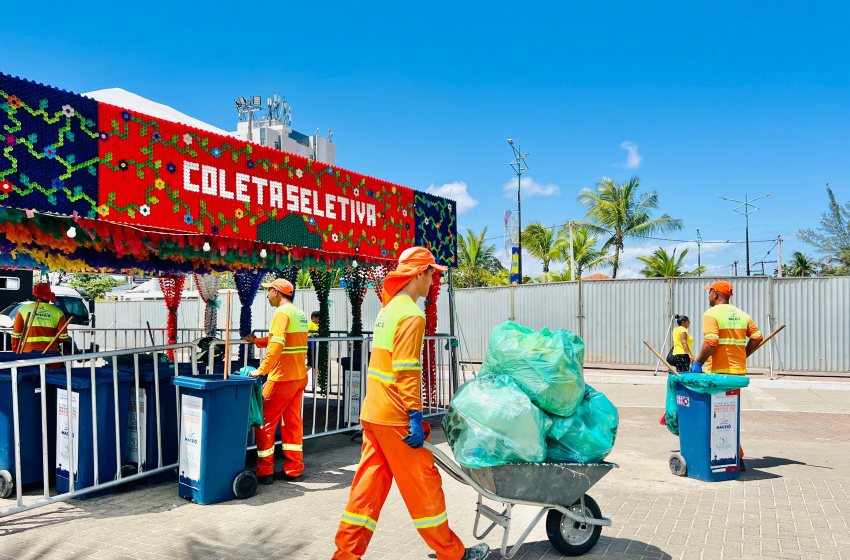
(547, 366)
(255, 416)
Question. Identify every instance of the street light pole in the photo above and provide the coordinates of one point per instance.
(699, 252)
(746, 204)
(520, 167)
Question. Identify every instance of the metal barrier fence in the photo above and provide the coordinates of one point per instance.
(69, 415)
(330, 405)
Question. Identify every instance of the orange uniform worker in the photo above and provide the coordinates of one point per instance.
(393, 429)
(44, 326)
(284, 387)
(726, 329)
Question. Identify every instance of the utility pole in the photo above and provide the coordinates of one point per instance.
(746, 204)
(735, 266)
(699, 253)
(520, 167)
(779, 270)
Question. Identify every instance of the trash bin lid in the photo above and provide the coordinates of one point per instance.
(211, 382)
(81, 377)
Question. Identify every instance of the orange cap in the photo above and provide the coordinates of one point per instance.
(282, 285)
(721, 286)
(412, 261)
(42, 291)
(419, 257)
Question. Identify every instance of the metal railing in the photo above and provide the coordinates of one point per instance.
(330, 405)
(73, 414)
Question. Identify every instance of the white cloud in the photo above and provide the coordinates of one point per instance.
(455, 191)
(530, 188)
(633, 159)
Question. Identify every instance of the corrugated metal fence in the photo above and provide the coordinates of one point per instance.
(613, 316)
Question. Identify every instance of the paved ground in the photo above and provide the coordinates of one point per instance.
(794, 502)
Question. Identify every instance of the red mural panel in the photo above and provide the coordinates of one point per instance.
(158, 174)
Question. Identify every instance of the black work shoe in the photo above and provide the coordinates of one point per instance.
(477, 552)
(288, 478)
(743, 467)
(266, 479)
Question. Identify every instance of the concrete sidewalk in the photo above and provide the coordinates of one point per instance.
(793, 503)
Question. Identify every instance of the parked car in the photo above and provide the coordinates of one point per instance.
(72, 303)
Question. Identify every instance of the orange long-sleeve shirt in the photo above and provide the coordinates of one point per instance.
(286, 356)
(394, 379)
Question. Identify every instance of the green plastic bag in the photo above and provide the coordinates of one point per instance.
(706, 383)
(492, 422)
(546, 366)
(255, 416)
(588, 435)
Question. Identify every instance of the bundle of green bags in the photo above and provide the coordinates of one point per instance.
(530, 404)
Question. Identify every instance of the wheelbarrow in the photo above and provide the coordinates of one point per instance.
(573, 519)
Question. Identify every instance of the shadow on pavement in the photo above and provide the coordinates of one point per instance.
(754, 464)
(607, 547)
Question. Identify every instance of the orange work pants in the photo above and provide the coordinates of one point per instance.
(281, 404)
(385, 456)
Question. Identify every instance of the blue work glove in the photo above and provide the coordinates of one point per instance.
(696, 368)
(415, 431)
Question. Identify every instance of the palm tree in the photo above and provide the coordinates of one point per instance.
(501, 278)
(585, 253)
(473, 256)
(800, 265)
(618, 211)
(663, 265)
(541, 242)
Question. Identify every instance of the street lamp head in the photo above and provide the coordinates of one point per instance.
(511, 142)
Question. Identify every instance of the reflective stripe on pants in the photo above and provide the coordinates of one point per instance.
(385, 457)
(281, 404)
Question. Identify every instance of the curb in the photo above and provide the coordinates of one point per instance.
(761, 383)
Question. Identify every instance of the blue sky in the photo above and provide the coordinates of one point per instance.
(713, 100)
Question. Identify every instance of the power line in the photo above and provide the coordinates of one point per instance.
(727, 242)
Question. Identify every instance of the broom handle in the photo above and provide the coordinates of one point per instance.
(30, 320)
(660, 357)
(58, 333)
(763, 342)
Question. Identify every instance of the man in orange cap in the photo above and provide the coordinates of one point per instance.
(393, 429)
(44, 325)
(284, 364)
(726, 328)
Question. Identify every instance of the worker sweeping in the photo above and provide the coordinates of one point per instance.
(284, 364)
(45, 320)
(393, 429)
(725, 329)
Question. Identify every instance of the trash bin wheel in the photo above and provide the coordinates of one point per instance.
(678, 466)
(7, 486)
(569, 537)
(245, 485)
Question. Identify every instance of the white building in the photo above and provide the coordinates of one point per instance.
(274, 130)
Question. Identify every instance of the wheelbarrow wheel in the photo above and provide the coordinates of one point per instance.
(678, 466)
(569, 537)
(7, 486)
(245, 485)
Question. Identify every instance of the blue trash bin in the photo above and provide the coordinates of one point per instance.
(213, 423)
(168, 420)
(29, 410)
(81, 387)
(709, 431)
